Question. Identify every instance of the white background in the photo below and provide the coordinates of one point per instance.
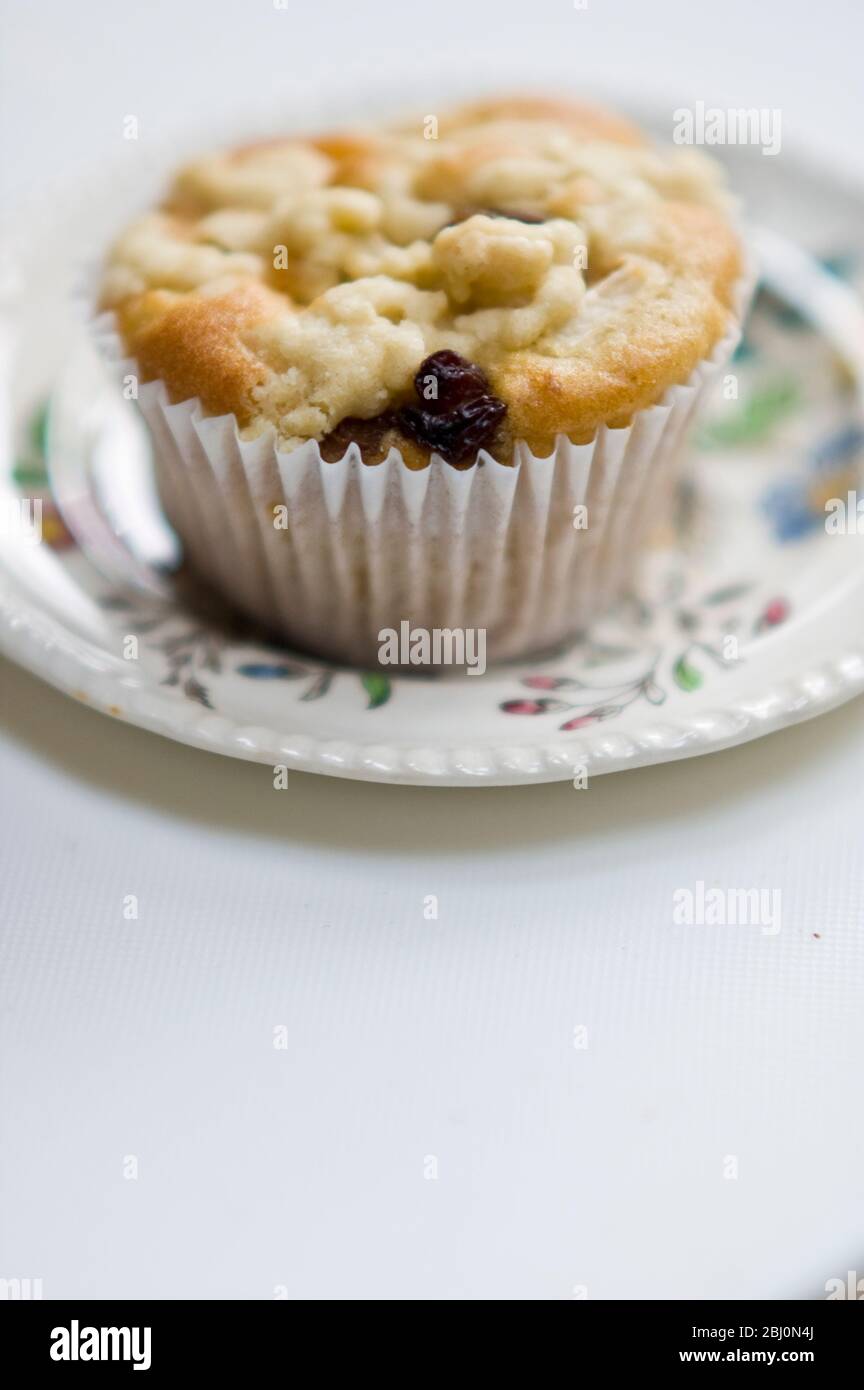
(307, 1168)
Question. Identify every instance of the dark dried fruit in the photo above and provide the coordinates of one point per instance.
(446, 380)
(461, 416)
(457, 434)
(368, 434)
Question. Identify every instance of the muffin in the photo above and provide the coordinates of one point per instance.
(438, 372)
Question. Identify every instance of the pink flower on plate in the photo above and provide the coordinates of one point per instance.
(533, 706)
(593, 717)
(548, 682)
(777, 611)
(773, 614)
(580, 722)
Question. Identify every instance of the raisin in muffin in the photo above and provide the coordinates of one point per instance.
(526, 284)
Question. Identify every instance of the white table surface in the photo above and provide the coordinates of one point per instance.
(428, 1128)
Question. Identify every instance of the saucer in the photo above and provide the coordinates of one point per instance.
(746, 619)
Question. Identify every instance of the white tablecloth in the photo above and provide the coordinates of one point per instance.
(281, 1078)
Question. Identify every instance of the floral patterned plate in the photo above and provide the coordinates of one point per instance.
(749, 618)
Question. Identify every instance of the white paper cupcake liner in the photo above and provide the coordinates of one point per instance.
(368, 547)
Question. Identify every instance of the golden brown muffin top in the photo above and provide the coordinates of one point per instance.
(300, 283)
